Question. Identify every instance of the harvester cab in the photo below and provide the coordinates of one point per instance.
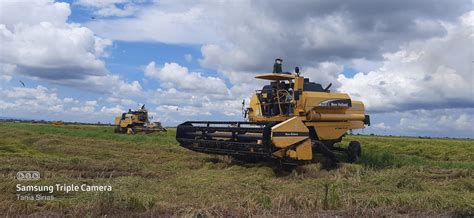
(291, 120)
(132, 122)
(276, 100)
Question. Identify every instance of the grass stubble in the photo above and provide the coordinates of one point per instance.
(152, 175)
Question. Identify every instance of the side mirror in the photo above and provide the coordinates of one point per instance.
(297, 71)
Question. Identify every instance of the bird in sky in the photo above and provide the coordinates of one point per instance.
(22, 83)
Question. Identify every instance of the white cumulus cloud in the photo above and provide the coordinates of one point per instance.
(421, 74)
(173, 75)
(41, 44)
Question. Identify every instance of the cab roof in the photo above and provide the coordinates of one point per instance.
(276, 76)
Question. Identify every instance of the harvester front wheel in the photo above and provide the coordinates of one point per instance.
(120, 130)
(321, 148)
(354, 151)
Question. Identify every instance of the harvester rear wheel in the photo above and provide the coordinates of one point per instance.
(353, 151)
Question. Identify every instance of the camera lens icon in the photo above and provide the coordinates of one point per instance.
(28, 175)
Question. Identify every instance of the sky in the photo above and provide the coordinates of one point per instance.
(410, 62)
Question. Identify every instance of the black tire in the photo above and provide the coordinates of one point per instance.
(354, 151)
(288, 167)
(331, 158)
(122, 130)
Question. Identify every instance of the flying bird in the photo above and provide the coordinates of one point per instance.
(22, 83)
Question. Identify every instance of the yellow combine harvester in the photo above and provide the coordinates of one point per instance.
(290, 120)
(137, 121)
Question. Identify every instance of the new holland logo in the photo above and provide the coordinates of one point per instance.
(339, 104)
(283, 134)
(336, 103)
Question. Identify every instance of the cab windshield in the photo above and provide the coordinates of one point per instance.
(276, 98)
